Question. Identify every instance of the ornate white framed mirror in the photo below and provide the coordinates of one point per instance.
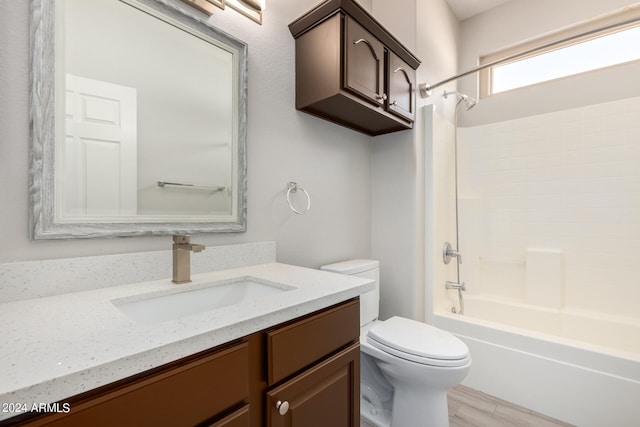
(138, 115)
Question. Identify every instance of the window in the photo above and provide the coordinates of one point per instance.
(598, 50)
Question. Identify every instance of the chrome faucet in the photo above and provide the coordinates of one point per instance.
(182, 258)
(455, 285)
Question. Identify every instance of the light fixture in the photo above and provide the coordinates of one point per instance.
(255, 4)
(205, 6)
(252, 9)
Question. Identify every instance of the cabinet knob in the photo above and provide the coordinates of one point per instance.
(382, 97)
(282, 407)
(394, 103)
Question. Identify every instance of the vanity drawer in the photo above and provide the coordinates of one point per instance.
(297, 345)
(185, 395)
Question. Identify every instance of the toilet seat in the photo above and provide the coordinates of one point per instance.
(418, 342)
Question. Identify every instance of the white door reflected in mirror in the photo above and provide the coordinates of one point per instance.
(127, 94)
(184, 117)
(97, 159)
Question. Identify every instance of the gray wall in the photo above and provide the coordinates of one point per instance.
(367, 193)
(398, 233)
(332, 163)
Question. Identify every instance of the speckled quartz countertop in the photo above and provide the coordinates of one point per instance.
(55, 347)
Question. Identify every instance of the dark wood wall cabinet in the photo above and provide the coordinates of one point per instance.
(350, 70)
(303, 373)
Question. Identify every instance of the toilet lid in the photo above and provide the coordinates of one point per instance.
(417, 340)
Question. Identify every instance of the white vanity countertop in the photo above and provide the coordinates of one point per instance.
(55, 347)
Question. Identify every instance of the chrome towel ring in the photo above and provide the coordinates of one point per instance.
(293, 187)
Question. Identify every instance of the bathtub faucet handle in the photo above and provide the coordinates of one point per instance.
(448, 253)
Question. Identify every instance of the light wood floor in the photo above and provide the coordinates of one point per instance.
(471, 408)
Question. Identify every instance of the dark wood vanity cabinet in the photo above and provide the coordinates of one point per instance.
(311, 363)
(325, 395)
(209, 389)
(313, 370)
(351, 71)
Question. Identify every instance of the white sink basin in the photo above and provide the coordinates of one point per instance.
(190, 299)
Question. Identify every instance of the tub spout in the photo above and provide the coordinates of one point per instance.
(455, 285)
(460, 288)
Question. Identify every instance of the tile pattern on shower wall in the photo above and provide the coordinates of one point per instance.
(566, 181)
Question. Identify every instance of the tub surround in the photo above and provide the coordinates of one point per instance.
(541, 198)
(560, 191)
(57, 346)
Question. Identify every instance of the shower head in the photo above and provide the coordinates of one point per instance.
(469, 102)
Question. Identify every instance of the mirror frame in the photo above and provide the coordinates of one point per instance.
(43, 224)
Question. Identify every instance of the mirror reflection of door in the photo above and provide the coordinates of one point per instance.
(185, 115)
(99, 156)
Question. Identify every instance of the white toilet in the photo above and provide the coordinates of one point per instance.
(406, 366)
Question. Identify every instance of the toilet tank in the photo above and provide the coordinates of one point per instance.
(368, 269)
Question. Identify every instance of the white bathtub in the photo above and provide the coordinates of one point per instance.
(573, 366)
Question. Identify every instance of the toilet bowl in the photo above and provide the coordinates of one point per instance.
(406, 366)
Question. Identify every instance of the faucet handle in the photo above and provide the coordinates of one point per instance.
(448, 253)
(180, 239)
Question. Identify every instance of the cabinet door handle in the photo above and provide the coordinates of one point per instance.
(406, 76)
(282, 407)
(368, 43)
